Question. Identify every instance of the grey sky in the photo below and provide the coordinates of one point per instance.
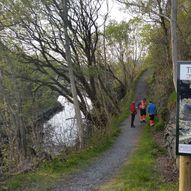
(115, 11)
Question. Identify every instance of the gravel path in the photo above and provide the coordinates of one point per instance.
(110, 161)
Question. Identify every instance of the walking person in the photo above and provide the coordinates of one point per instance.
(152, 111)
(133, 113)
(142, 108)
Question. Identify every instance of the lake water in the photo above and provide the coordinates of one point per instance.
(61, 129)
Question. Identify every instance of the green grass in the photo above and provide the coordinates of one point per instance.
(48, 173)
(159, 124)
(169, 187)
(138, 174)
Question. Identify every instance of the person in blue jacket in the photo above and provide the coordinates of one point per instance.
(152, 111)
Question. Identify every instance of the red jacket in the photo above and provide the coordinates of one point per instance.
(133, 108)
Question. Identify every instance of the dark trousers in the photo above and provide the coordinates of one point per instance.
(142, 111)
(152, 117)
(132, 119)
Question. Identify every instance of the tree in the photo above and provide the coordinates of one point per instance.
(37, 36)
(156, 12)
(22, 104)
(71, 75)
(174, 39)
(123, 40)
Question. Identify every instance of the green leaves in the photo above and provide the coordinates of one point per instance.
(117, 32)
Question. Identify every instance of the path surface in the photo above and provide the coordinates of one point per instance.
(110, 161)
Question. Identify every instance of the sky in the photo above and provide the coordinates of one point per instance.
(116, 12)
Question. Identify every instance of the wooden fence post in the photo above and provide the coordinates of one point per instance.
(185, 173)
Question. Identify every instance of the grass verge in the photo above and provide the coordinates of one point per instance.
(50, 172)
(139, 174)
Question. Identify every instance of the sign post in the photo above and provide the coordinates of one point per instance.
(183, 137)
(185, 173)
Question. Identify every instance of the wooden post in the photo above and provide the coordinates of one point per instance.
(185, 173)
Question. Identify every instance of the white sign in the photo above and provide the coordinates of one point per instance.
(183, 137)
(185, 72)
(184, 148)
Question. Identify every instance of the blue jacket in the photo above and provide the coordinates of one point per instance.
(152, 110)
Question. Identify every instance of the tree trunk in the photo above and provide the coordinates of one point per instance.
(71, 75)
(174, 40)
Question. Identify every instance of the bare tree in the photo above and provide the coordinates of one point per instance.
(39, 41)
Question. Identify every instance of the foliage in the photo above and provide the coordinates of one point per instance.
(22, 105)
(184, 37)
(172, 101)
(125, 50)
(160, 124)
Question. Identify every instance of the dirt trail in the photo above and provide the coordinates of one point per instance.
(110, 161)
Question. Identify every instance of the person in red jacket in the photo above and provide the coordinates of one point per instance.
(133, 111)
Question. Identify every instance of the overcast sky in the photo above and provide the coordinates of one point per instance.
(116, 12)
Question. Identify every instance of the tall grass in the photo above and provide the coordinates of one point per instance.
(50, 172)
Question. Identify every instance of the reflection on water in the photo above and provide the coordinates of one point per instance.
(61, 129)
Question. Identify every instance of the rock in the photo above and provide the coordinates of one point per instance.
(45, 156)
(1, 171)
(4, 188)
(170, 136)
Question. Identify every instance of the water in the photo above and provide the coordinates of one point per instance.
(61, 129)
